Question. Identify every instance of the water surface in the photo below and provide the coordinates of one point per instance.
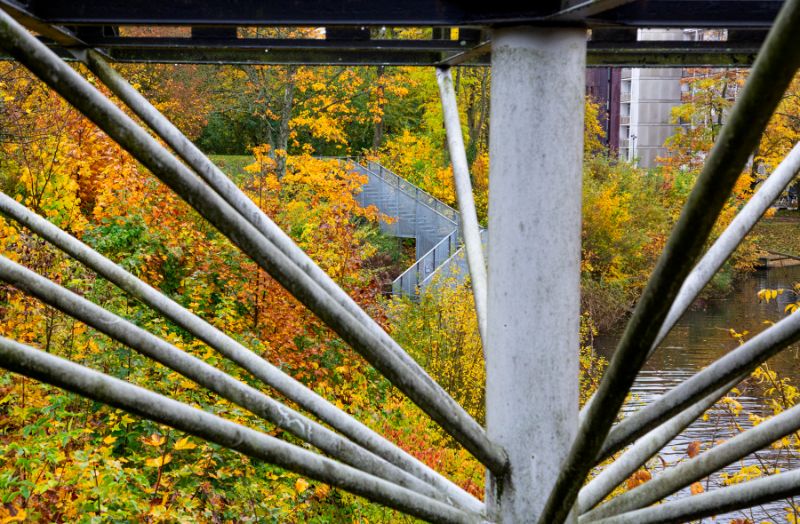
(698, 339)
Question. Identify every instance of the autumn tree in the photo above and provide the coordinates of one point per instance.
(707, 97)
(782, 132)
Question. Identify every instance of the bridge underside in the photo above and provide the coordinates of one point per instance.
(361, 32)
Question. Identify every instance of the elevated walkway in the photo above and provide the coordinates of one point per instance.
(434, 225)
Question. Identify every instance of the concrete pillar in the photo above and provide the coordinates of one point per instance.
(536, 147)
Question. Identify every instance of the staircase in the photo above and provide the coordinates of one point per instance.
(432, 223)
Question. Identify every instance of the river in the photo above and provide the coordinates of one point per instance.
(699, 338)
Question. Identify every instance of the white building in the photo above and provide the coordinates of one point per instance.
(646, 100)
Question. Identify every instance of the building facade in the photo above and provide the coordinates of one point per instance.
(647, 97)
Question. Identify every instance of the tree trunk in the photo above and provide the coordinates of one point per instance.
(483, 129)
(282, 142)
(380, 124)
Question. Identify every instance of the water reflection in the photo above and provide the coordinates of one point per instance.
(698, 339)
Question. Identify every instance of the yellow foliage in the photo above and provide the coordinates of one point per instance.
(184, 444)
(743, 475)
(158, 462)
(593, 132)
(301, 485)
(20, 515)
(155, 440)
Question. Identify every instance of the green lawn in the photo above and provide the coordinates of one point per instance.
(232, 165)
(780, 233)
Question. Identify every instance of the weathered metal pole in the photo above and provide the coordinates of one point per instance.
(386, 358)
(730, 498)
(470, 229)
(228, 347)
(684, 474)
(98, 386)
(536, 146)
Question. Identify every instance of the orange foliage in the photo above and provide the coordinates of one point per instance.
(638, 478)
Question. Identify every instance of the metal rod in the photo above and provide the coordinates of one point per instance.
(536, 134)
(647, 446)
(466, 202)
(429, 397)
(581, 9)
(210, 173)
(716, 458)
(223, 185)
(730, 239)
(773, 71)
(57, 34)
(260, 368)
(599, 54)
(723, 500)
(470, 55)
(139, 401)
(702, 273)
(727, 243)
(734, 366)
(207, 376)
(234, 196)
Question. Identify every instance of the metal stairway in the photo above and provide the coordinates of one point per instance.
(433, 224)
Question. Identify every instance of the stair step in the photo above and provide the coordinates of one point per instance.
(393, 197)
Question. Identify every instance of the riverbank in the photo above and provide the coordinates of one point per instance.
(778, 240)
(779, 233)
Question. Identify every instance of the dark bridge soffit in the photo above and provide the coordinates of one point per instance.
(95, 23)
(639, 13)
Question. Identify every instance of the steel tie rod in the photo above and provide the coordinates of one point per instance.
(773, 70)
(466, 201)
(701, 466)
(729, 498)
(728, 241)
(228, 347)
(428, 396)
(207, 376)
(92, 384)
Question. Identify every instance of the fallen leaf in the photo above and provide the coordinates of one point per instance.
(184, 444)
(301, 485)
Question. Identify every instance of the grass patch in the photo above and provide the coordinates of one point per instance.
(399, 251)
(780, 233)
(233, 165)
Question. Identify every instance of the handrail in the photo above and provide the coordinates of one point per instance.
(419, 194)
(410, 280)
(395, 180)
(453, 259)
(399, 286)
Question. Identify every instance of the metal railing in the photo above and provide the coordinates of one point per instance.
(437, 234)
(412, 280)
(443, 257)
(455, 267)
(416, 214)
(414, 191)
